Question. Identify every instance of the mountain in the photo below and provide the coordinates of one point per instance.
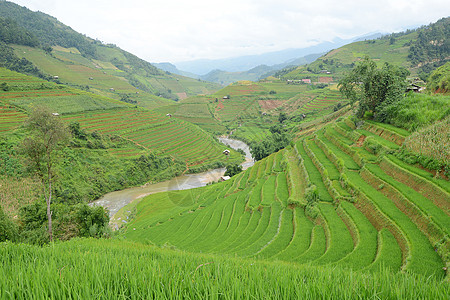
(242, 63)
(168, 67)
(256, 73)
(49, 48)
(419, 50)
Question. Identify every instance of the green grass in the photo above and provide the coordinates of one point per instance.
(282, 190)
(314, 174)
(340, 242)
(389, 254)
(302, 237)
(422, 258)
(282, 239)
(366, 239)
(268, 191)
(424, 204)
(419, 110)
(89, 268)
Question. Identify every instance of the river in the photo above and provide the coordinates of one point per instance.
(114, 201)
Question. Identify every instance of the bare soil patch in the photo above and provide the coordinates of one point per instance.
(270, 104)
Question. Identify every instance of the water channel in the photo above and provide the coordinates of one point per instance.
(114, 201)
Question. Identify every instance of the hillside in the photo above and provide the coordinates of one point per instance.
(335, 206)
(105, 69)
(249, 109)
(420, 51)
(122, 133)
(337, 199)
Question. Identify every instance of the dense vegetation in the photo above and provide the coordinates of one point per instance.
(431, 49)
(336, 206)
(90, 268)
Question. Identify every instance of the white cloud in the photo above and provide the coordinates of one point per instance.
(175, 30)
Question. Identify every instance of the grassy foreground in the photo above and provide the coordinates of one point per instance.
(113, 269)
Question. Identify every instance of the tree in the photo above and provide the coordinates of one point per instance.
(374, 88)
(48, 134)
(282, 117)
(233, 169)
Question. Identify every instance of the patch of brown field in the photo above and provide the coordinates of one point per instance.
(325, 79)
(360, 141)
(181, 96)
(15, 193)
(270, 104)
(219, 106)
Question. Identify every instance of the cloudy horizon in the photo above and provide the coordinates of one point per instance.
(176, 30)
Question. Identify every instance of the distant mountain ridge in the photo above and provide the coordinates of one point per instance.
(247, 62)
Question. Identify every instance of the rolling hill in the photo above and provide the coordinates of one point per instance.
(420, 51)
(328, 200)
(105, 69)
(350, 209)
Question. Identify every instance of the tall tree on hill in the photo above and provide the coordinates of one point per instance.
(48, 134)
(374, 88)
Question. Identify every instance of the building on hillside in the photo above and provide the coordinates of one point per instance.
(224, 178)
(306, 80)
(226, 97)
(415, 88)
(226, 152)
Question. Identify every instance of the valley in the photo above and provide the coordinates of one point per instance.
(336, 187)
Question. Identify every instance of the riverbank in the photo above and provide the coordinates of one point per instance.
(115, 201)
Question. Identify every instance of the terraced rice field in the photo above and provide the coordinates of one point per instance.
(156, 132)
(26, 92)
(326, 201)
(10, 118)
(321, 102)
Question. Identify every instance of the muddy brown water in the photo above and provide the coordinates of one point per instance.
(114, 201)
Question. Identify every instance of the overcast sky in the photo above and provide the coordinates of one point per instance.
(180, 30)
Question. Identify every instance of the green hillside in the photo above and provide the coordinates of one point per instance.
(420, 51)
(76, 60)
(335, 198)
(121, 134)
(248, 109)
(335, 206)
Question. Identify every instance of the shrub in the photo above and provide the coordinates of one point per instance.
(8, 229)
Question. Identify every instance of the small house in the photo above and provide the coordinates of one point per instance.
(226, 152)
(169, 115)
(55, 114)
(56, 77)
(226, 97)
(224, 178)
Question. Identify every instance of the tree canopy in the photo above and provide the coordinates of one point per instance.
(48, 134)
(373, 87)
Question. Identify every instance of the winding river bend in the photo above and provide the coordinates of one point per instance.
(114, 201)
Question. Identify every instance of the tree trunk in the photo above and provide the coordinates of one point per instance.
(49, 212)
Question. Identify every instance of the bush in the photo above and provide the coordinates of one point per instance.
(233, 169)
(8, 229)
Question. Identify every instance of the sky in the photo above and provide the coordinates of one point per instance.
(184, 30)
